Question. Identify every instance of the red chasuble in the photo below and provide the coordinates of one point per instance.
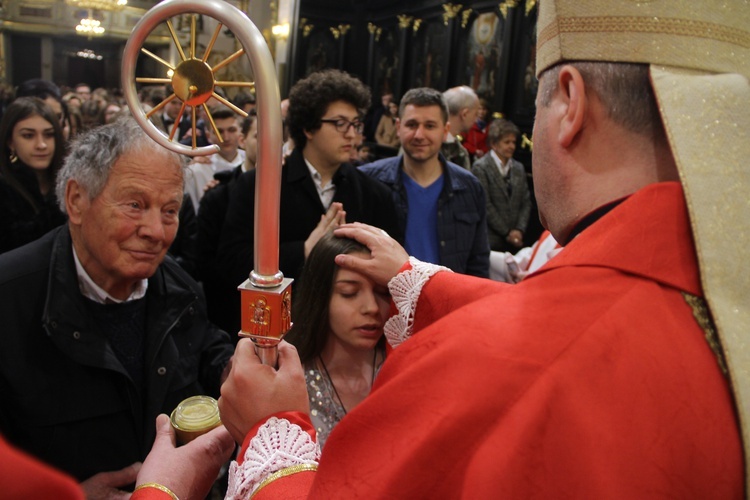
(589, 379)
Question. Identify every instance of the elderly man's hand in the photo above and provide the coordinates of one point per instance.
(190, 470)
(387, 256)
(106, 485)
(254, 391)
(515, 238)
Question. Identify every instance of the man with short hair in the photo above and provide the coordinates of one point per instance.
(619, 369)
(319, 188)
(101, 332)
(83, 90)
(441, 207)
(229, 156)
(463, 109)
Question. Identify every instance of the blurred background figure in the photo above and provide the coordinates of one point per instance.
(506, 188)
(245, 101)
(510, 268)
(475, 141)
(50, 94)
(386, 133)
(83, 90)
(109, 113)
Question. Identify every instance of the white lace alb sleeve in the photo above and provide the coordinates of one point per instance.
(278, 445)
(405, 288)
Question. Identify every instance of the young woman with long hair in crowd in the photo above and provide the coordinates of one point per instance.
(338, 319)
(32, 153)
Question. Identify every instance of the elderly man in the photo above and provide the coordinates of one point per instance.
(619, 369)
(101, 332)
(463, 109)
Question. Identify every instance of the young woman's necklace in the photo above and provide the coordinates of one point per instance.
(330, 380)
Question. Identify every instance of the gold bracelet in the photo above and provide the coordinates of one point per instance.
(159, 487)
(288, 471)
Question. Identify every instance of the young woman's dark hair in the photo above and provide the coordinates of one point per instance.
(310, 300)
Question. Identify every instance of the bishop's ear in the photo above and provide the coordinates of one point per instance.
(573, 94)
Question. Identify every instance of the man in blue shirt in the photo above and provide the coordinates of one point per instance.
(441, 206)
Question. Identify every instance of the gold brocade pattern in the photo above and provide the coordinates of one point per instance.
(703, 316)
(675, 33)
(661, 25)
(716, 183)
(284, 473)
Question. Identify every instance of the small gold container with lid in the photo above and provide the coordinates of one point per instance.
(195, 416)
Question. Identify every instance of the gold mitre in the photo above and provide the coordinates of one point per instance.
(695, 34)
(699, 57)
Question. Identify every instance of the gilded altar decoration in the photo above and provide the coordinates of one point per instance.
(404, 21)
(451, 11)
(530, 4)
(526, 142)
(465, 15)
(306, 27)
(506, 5)
(417, 24)
(340, 30)
(375, 30)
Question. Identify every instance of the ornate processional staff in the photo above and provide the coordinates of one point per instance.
(266, 294)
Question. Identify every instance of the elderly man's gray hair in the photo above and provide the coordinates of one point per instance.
(461, 97)
(93, 154)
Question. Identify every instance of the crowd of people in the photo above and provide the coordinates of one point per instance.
(433, 352)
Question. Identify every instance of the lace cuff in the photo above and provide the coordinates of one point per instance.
(279, 444)
(405, 288)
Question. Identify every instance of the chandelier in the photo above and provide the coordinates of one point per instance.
(108, 5)
(90, 26)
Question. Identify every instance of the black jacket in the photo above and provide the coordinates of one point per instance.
(66, 398)
(222, 296)
(365, 200)
(19, 222)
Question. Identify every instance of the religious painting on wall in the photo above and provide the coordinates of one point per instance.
(429, 55)
(321, 51)
(484, 67)
(525, 85)
(386, 59)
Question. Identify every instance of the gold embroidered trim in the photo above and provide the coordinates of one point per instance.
(284, 473)
(703, 317)
(159, 487)
(667, 26)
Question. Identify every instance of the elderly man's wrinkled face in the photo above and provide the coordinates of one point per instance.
(122, 235)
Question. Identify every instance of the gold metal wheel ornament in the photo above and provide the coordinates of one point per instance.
(194, 83)
(193, 79)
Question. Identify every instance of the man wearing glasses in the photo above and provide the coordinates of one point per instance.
(441, 206)
(319, 188)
